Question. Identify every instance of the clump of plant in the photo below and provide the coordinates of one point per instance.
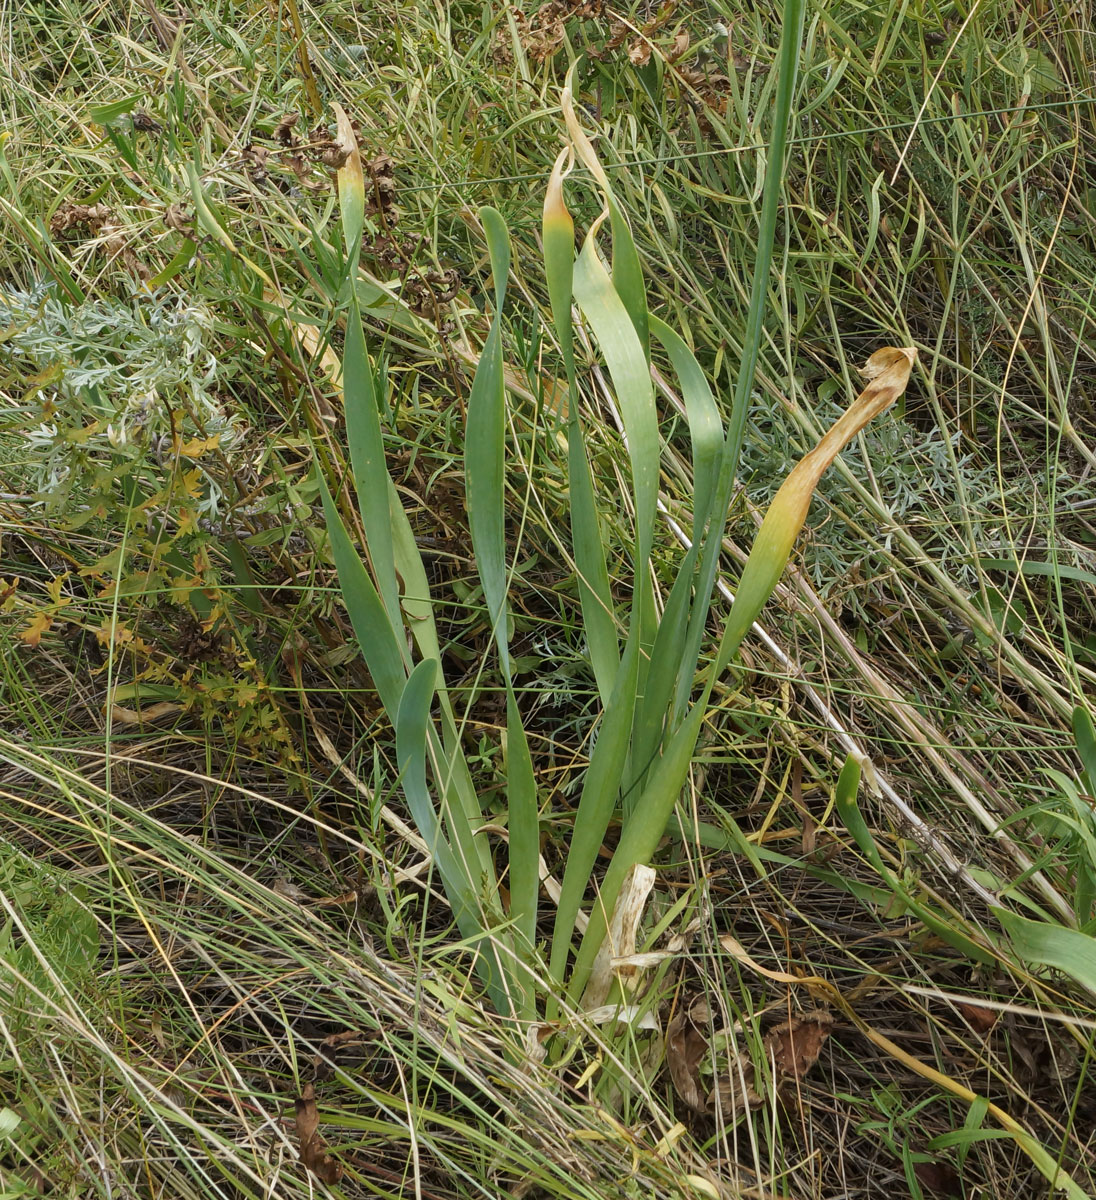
(644, 663)
(118, 391)
(646, 660)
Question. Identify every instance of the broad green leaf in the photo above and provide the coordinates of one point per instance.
(598, 619)
(367, 456)
(484, 450)
(705, 424)
(379, 643)
(668, 659)
(485, 473)
(640, 837)
(1085, 736)
(418, 608)
(602, 307)
(558, 237)
(209, 222)
(627, 270)
(104, 114)
(1049, 945)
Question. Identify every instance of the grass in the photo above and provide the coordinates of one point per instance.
(220, 880)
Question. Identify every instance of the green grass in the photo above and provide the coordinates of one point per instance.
(215, 850)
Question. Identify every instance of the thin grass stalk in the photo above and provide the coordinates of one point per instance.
(794, 17)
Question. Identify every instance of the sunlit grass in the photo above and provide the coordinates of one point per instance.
(246, 844)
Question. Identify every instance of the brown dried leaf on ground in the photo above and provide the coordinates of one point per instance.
(679, 47)
(283, 131)
(981, 1019)
(686, 1046)
(793, 1047)
(180, 219)
(381, 196)
(91, 217)
(941, 1179)
(154, 712)
(342, 1051)
(313, 1148)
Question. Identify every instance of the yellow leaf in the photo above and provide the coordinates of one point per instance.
(54, 589)
(191, 483)
(32, 635)
(888, 372)
(129, 716)
(196, 447)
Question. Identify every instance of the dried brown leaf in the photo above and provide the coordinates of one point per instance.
(734, 1092)
(982, 1020)
(941, 1179)
(686, 1045)
(313, 1148)
(341, 1051)
(92, 217)
(130, 716)
(793, 1047)
(680, 46)
(180, 219)
(283, 131)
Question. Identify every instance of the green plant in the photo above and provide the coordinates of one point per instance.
(649, 729)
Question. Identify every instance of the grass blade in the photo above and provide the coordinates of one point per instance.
(794, 17)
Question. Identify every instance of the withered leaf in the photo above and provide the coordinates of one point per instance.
(982, 1020)
(313, 1148)
(91, 217)
(180, 219)
(680, 46)
(283, 131)
(341, 1051)
(686, 1045)
(144, 123)
(793, 1047)
(941, 1179)
(152, 712)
